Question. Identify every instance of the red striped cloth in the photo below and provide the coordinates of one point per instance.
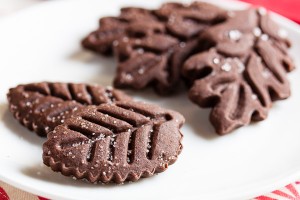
(289, 192)
(287, 8)
(7, 192)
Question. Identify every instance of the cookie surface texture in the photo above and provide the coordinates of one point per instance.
(42, 106)
(117, 142)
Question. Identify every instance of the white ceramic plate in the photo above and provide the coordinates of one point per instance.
(42, 43)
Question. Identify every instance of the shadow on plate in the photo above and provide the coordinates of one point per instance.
(44, 173)
(107, 66)
(195, 117)
(16, 128)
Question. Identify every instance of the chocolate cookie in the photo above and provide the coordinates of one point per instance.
(244, 70)
(117, 142)
(113, 28)
(42, 106)
(151, 45)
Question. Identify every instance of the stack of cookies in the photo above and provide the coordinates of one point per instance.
(235, 62)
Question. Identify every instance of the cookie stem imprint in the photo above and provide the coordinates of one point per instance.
(243, 71)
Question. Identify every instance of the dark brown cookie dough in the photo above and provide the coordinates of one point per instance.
(42, 106)
(151, 45)
(243, 72)
(116, 142)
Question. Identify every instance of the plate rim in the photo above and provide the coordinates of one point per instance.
(287, 179)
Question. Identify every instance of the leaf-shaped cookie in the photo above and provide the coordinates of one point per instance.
(42, 106)
(243, 72)
(152, 53)
(151, 45)
(117, 142)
